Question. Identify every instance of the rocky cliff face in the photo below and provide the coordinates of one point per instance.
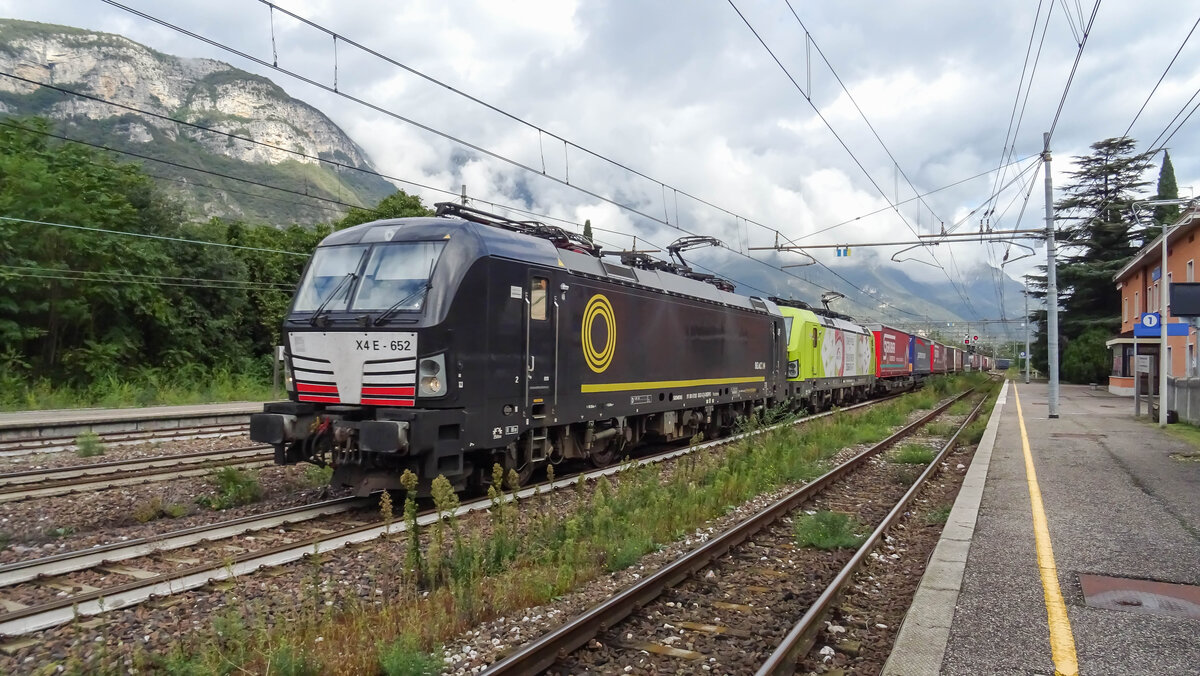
(201, 91)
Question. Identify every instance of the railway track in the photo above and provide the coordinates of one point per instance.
(648, 620)
(63, 598)
(82, 478)
(29, 445)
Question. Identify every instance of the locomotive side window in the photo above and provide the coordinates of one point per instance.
(814, 336)
(397, 276)
(327, 274)
(537, 297)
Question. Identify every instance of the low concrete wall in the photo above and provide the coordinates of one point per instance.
(1183, 396)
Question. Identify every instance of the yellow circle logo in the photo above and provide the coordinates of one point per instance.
(598, 360)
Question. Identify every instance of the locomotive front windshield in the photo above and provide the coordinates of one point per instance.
(390, 276)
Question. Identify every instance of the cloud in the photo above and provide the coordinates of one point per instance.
(684, 93)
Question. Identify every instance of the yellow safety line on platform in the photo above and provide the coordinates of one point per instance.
(1062, 641)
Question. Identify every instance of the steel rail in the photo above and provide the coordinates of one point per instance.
(543, 652)
(70, 562)
(32, 445)
(800, 639)
(19, 492)
(66, 609)
(30, 476)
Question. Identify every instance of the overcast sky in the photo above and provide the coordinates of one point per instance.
(684, 93)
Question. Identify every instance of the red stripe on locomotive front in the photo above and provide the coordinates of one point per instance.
(323, 389)
(320, 398)
(392, 391)
(389, 402)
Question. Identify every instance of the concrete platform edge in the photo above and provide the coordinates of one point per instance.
(921, 643)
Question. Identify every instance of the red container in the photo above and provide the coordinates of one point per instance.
(939, 357)
(891, 352)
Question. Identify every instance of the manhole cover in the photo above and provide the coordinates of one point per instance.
(1141, 596)
(1077, 435)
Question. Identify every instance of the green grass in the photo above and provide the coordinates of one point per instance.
(940, 429)
(913, 454)
(1185, 432)
(153, 387)
(316, 477)
(828, 530)
(234, 486)
(88, 445)
(404, 657)
(938, 515)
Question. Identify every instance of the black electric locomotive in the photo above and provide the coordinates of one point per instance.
(444, 345)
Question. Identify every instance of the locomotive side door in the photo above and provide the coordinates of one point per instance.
(541, 346)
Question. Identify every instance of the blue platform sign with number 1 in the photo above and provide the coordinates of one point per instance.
(1148, 327)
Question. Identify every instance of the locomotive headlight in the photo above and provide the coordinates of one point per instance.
(793, 369)
(429, 384)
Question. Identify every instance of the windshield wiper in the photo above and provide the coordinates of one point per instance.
(407, 299)
(402, 302)
(350, 276)
(336, 290)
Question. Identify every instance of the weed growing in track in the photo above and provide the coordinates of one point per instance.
(938, 516)
(913, 454)
(155, 509)
(235, 487)
(404, 657)
(88, 445)
(828, 530)
(317, 477)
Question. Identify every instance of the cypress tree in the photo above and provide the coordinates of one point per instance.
(587, 230)
(1167, 190)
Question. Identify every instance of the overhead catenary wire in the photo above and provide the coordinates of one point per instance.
(447, 136)
(957, 287)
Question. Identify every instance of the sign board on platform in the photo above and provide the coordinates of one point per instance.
(1148, 327)
(1185, 299)
(1143, 363)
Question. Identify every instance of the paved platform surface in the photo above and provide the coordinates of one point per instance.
(1116, 503)
(92, 415)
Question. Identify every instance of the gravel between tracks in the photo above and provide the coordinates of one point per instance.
(862, 628)
(112, 453)
(43, 526)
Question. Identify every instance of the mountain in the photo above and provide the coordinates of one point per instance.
(917, 297)
(203, 92)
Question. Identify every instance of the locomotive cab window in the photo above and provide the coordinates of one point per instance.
(397, 276)
(331, 271)
(537, 297)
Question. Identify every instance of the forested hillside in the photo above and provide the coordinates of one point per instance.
(110, 295)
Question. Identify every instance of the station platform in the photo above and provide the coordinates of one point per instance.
(1073, 547)
(22, 419)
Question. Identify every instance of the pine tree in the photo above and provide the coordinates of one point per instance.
(1098, 239)
(1167, 190)
(587, 230)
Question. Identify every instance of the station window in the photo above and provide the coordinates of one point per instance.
(1191, 271)
(1124, 309)
(537, 298)
(1136, 304)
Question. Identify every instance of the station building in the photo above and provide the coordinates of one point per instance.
(1140, 282)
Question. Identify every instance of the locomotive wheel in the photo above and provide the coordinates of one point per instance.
(509, 461)
(607, 456)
